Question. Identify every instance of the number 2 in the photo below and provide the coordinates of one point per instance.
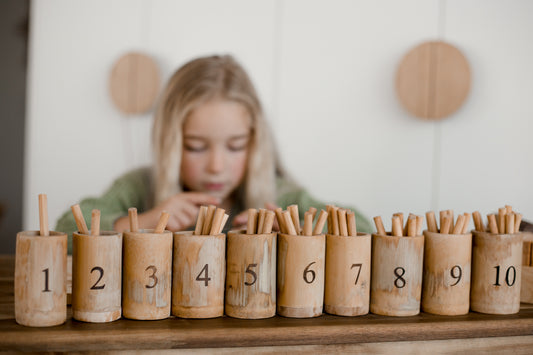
(99, 269)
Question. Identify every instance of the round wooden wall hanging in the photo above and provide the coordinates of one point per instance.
(134, 83)
(433, 80)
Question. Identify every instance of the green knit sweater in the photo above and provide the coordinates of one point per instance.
(134, 189)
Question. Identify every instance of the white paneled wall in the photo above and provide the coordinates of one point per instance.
(325, 72)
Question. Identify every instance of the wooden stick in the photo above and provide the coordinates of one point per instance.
(163, 220)
(80, 221)
(352, 229)
(458, 228)
(217, 221)
(442, 214)
(269, 221)
(313, 212)
(288, 222)
(400, 214)
(261, 220)
(279, 216)
(501, 220)
(200, 220)
(293, 210)
(134, 221)
(335, 220)
(446, 224)
(396, 226)
(431, 222)
(330, 222)
(478, 222)
(452, 219)
(308, 223)
(508, 209)
(343, 226)
(43, 215)
(493, 225)
(466, 223)
(406, 226)
(95, 223)
(379, 225)
(208, 219)
(224, 220)
(509, 223)
(411, 226)
(251, 226)
(517, 221)
(419, 224)
(319, 226)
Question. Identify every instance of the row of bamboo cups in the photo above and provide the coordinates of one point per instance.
(149, 276)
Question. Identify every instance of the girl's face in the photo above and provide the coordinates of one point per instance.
(216, 136)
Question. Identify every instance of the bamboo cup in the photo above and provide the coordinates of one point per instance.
(40, 279)
(147, 274)
(396, 282)
(496, 273)
(97, 277)
(447, 268)
(251, 275)
(347, 287)
(301, 261)
(199, 270)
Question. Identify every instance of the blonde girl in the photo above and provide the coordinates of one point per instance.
(211, 145)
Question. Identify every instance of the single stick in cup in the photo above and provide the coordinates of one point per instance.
(431, 221)
(251, 226)
(466, 223)
(396, 226)
(478, 222)
(224, 220)
(162, 223)
(352, 229)
(261, 220)
(200, 220)
(446, 224)
(517, 221)
(288, 222)
(509, 223)
(493, 225)
(217, 221)
(411, 226)
(343, 226)
(134, 221)
(379, 225)
(335, 220)
(501, 220)
(308, 223)
(279, 216)
(43, 215)
(458, 228)
(293, 210)
(269, 222)
(80, 221)
(419, 224)
(95, 223)
(319, 226)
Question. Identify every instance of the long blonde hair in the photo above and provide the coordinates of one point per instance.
(193, 84)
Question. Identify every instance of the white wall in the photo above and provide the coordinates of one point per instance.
(325, 72)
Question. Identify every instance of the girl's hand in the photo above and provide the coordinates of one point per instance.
(183, 209)
(240, 221)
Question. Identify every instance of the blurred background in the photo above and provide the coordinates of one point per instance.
(325, 71)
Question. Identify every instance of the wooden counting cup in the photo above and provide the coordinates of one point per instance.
(40, 279)
(199, 270)
(97, 277)
(447, 259)
(496, 273)
(396, 285)
(301, 261)
(347, 288)
(147, 266)
(251, 275)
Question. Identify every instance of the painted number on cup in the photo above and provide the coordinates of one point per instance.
(307, 278)
(206, 278)
(456, 273)
(400, 281)
(251, 272)
(358, 266)
(153, 277)
(508, 280)
(101, 271)
(46, 281)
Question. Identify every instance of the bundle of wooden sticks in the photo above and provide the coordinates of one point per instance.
(260, 222)
(447, 225)
(505, 222)
(413, 226)
(211, 220)
(341, 221)
(289, 221)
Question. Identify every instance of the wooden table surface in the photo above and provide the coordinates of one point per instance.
(504, 334)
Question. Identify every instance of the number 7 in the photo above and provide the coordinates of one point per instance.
(358, 271)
